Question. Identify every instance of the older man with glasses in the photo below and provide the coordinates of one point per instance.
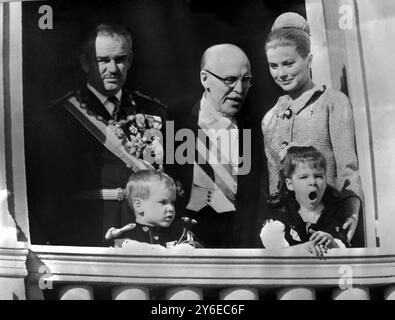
(217, 194)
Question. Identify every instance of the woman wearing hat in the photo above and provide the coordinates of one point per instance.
(309, 112)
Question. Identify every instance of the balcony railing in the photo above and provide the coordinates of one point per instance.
(13, 271)
(79, 272)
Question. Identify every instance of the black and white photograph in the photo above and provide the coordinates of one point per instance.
(197, 150)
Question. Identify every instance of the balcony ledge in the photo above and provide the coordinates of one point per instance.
(13, 261)
(213, 267)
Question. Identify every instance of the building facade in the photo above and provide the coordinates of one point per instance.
(352, 53)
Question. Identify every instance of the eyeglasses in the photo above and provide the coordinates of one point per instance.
(232, 81)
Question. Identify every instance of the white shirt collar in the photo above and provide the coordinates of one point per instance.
(209, 116)
(104, 98)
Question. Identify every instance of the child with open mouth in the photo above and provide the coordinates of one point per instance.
(306, 213)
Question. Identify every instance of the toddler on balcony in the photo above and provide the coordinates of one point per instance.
(151, 195)
(306, 212)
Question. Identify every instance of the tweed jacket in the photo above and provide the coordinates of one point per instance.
(322, 118)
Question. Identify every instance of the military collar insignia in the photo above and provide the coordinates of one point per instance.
(129, 97)
(146, 228)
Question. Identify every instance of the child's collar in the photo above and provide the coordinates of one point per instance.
(311, 215)
(146, 227)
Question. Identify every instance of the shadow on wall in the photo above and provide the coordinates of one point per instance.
(343, 81)
(169, 39)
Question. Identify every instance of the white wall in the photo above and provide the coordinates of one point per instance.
(377, 26)
(336, 54)
(7, 226)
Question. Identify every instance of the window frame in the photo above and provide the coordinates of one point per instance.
(12, 156)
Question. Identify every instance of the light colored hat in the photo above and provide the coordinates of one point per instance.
(291, 20)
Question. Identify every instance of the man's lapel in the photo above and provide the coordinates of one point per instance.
(194, 126)
(240, 127)
(93, 104)
(127, 105)
(194, 118)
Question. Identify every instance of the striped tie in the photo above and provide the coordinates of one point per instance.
(220, 171)
(114, 100)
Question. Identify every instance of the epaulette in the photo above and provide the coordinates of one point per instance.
(141, 95)
(54, 102)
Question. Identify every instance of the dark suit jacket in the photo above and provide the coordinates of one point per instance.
(248, 186)
(65, 159)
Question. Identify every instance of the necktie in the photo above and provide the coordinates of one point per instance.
(225, 178)
(114, 100)
(221, 171)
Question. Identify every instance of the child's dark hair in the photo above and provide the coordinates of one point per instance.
(302, 154)
(294, 156)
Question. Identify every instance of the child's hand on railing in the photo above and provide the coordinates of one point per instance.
(323, 239)
(185, 248)
(316, 249)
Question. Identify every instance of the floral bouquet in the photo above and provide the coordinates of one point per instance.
(141, 137)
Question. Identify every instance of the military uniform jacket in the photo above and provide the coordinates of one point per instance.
(68, 161)
(165, 237)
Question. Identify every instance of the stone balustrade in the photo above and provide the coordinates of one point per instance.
(237, 274)
(13, 272)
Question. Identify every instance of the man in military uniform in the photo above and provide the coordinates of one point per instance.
(77, 177)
